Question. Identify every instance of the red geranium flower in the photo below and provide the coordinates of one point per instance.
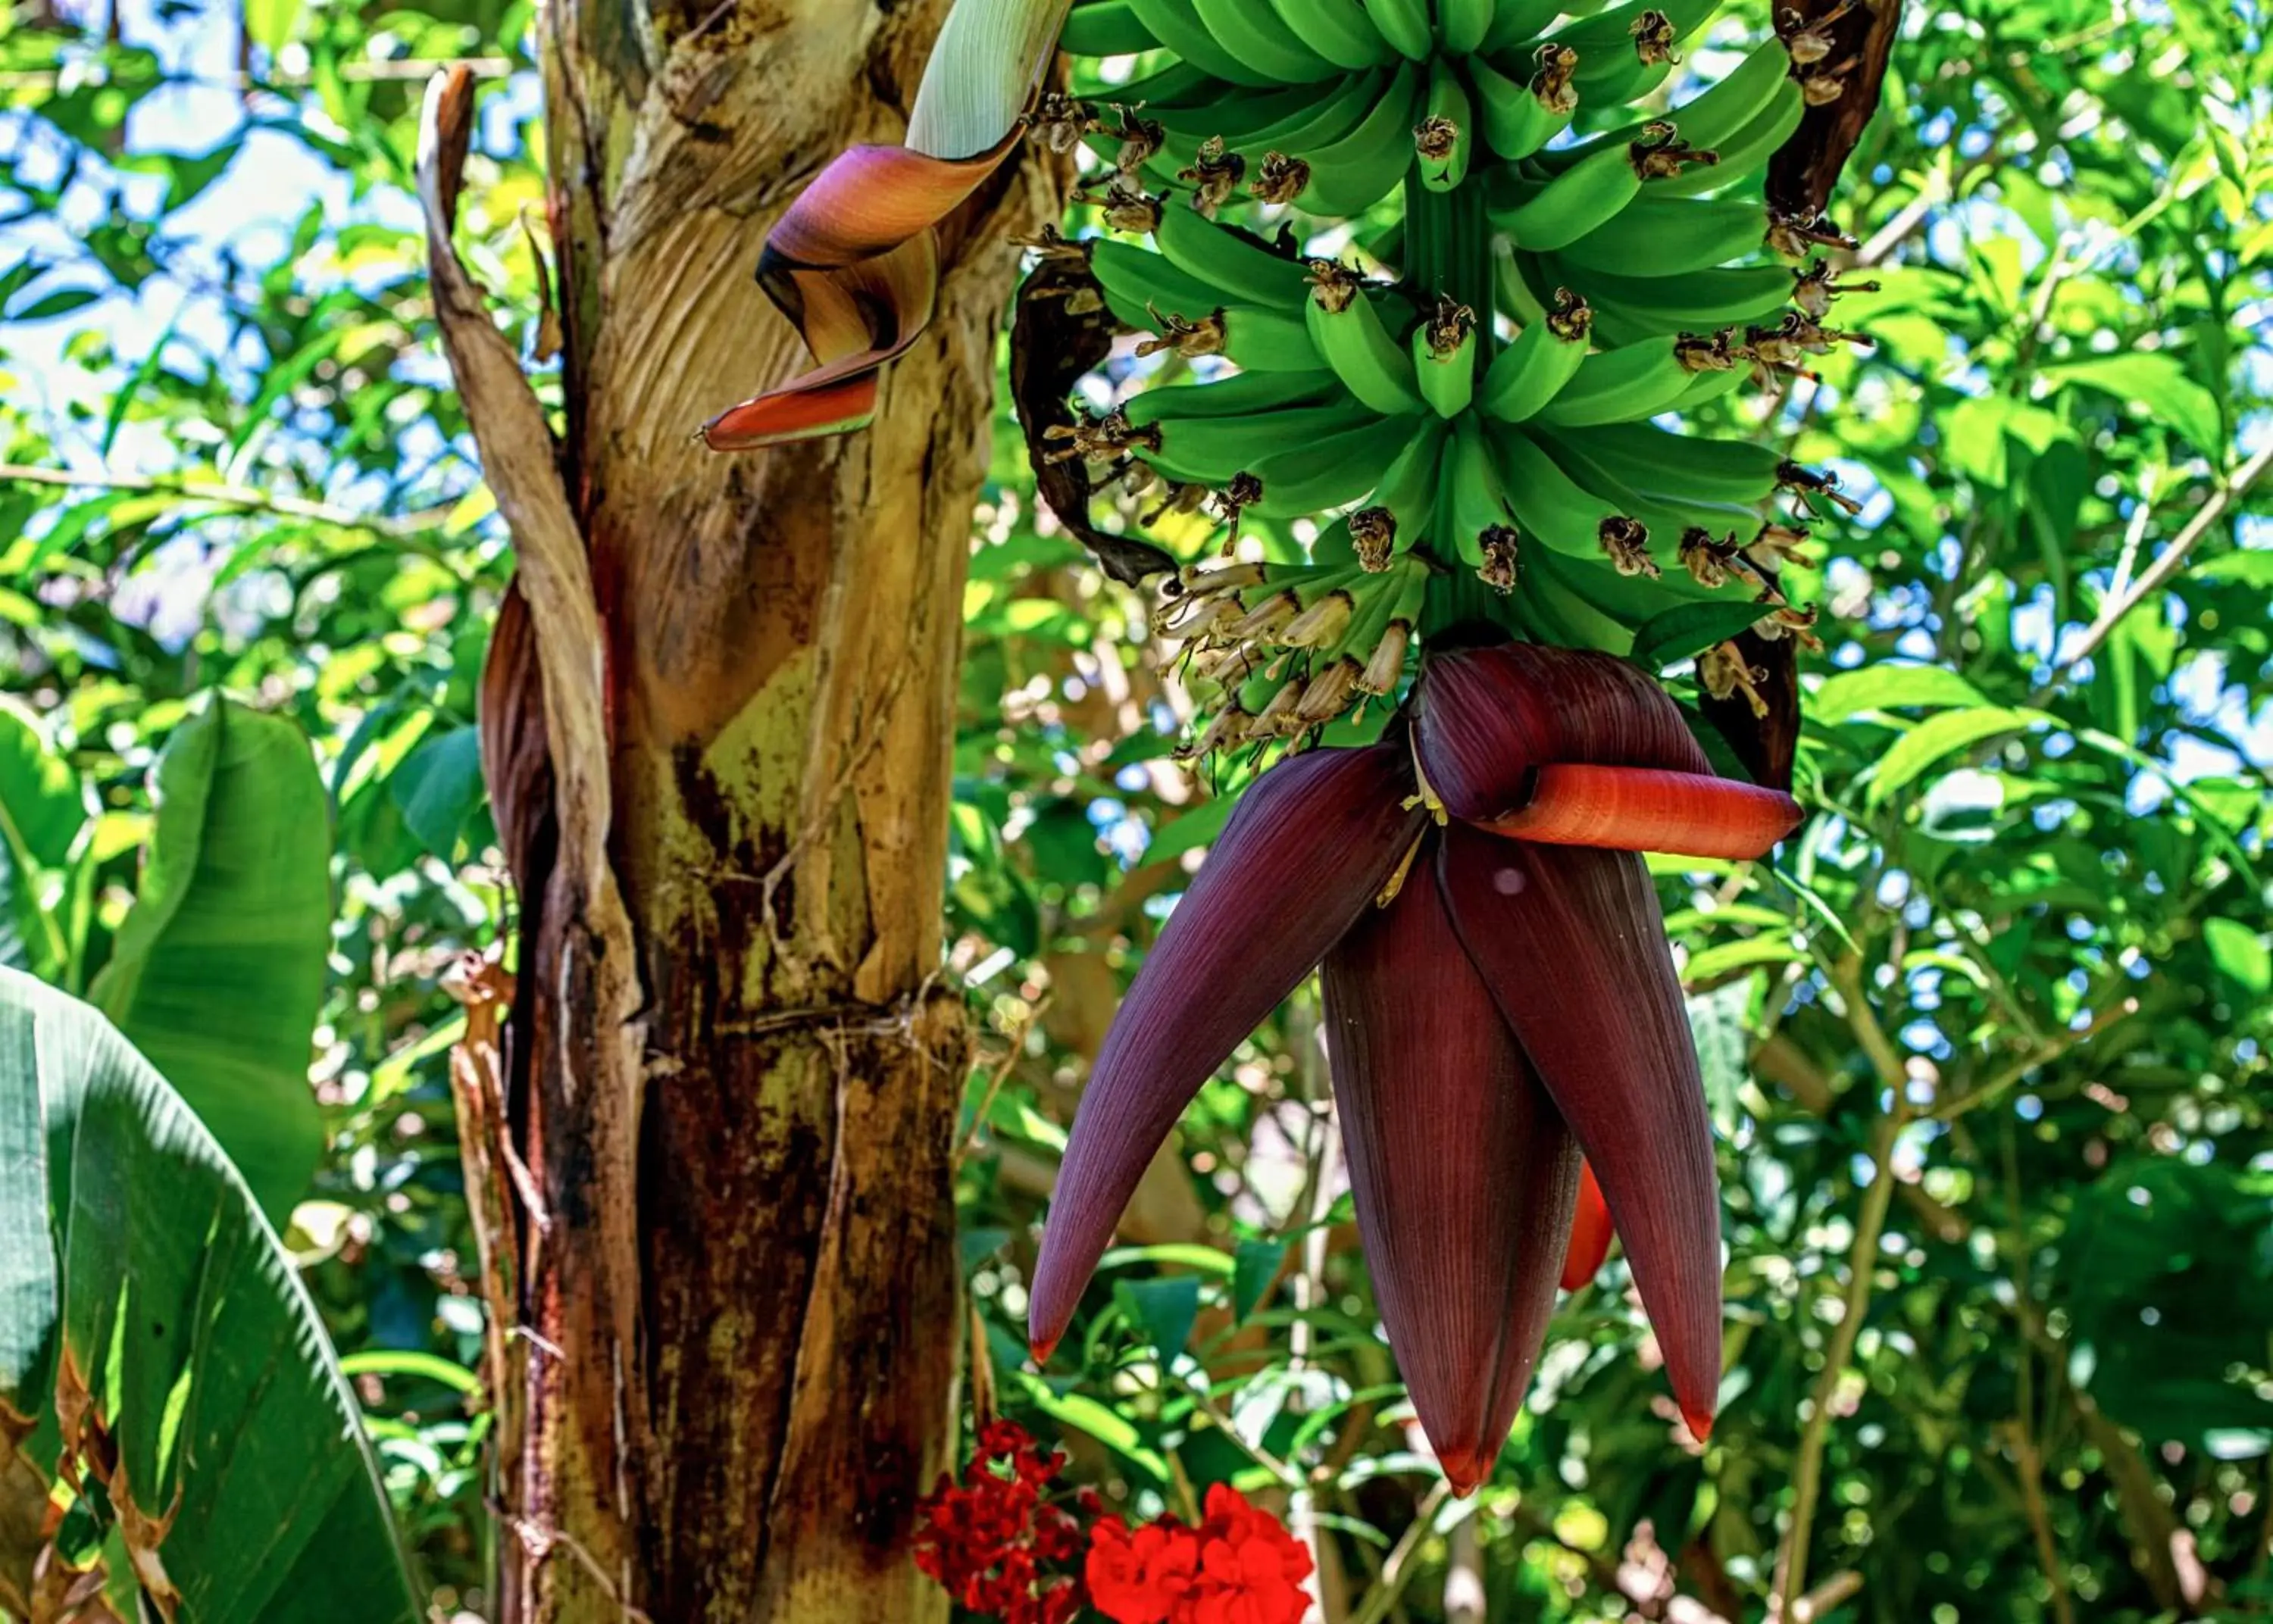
(1239, 1567)
(1141, 1578)
(993, 1541)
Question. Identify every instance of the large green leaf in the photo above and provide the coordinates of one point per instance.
(1940, 736)
(42, 809)
(137, 1274)
(219, 969)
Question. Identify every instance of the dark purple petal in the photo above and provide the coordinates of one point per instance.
(1488, 716)
(1310, 848)
(1569, 940)
(1463, 1172)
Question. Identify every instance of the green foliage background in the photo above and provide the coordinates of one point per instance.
(1987, 1043)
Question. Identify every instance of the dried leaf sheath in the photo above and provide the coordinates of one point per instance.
(853, 262)
(1570, 942)
(1310, 846)
(1463, 1172)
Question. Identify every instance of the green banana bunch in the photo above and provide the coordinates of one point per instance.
(1484, 380)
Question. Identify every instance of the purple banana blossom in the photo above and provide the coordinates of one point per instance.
(1499, 998)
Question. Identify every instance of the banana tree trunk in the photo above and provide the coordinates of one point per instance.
(716, 724)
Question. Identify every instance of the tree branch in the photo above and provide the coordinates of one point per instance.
(2171, 560)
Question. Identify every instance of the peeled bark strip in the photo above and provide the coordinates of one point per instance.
(732, 1074)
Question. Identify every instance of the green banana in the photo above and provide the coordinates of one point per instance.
(1742, 153)
(1624, 26)
(1374, 364)
(1176, 24)
(1519, 119)
(1233, 396)
(1337, 30)
(1105, 28)
(1255, 33)
(1712, 386)
(1405, 25)
(1635, 380)
(1721, 113)
(1726, 297)
(1136, 279)
(1658, 237)
(1575, 202)
(1445, 357)
(1548, 504)
(1208, 451)
(1245, 124)
(1331, 471)
(1462, 24)
(1445, 139)
(1528, 373)
(1476, 498)
(1269, 340)
(1236, 263)
(1350, 175)
(1396, 516)
(1514, 21)
(1651, 458)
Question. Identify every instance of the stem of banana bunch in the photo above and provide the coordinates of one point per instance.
(1448, 248)
(1448, 251)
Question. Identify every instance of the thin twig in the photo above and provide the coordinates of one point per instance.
(1862, 1269)
(249, 497)
(415, 70)
(2042, 1054)
(2171, 560)
(1401, 1557)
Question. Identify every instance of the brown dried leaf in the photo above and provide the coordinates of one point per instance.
(1056, 336)
(1806, 169)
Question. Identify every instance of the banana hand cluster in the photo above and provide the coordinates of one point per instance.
(1292, 648)
(1575, 259)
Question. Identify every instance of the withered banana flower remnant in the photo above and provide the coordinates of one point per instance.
(854, 263)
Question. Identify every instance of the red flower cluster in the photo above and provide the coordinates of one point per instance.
(1004, 1547)
(995, 1540)
(1239, 1567)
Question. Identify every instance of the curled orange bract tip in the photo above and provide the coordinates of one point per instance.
(1041, 1351)
(1590, 1233)
(1464, 1471)
(1700, 1423)
(1649, 809)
